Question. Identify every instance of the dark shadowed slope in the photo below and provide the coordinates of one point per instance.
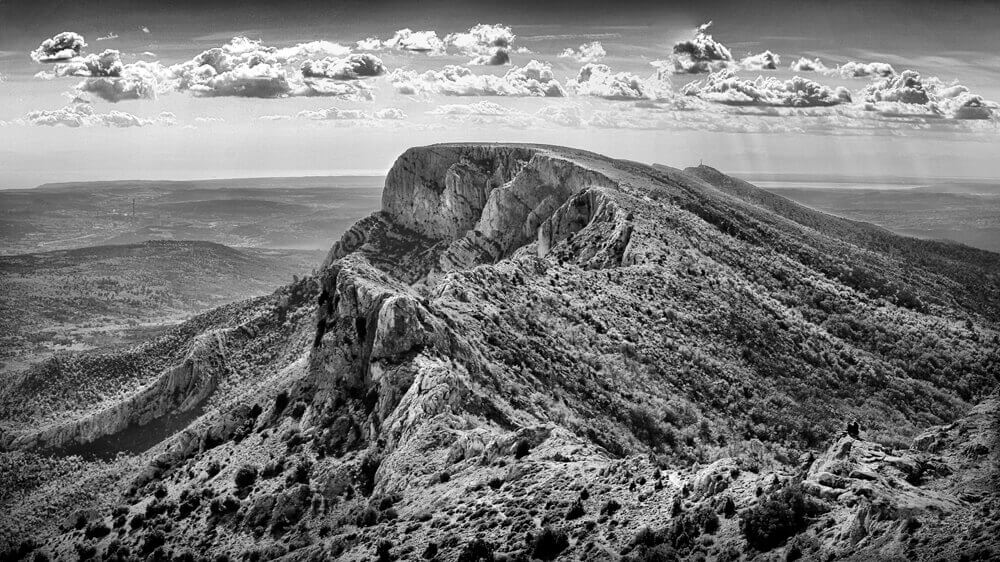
(538, 351)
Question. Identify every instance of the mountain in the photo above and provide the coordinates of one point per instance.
(539, 352)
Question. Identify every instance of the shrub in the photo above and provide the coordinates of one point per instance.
(576, 511)
(477, 551)
(521, 448)
(776, 518)
(245, 476)
(549, 544)
(610, 507)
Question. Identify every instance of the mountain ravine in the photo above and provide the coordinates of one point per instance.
(534, 352)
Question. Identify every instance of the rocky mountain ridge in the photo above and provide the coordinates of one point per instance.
(538, 352)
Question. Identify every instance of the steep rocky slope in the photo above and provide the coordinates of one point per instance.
(537, 352)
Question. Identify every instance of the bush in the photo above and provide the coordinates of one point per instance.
(549, 544)
(477, 551)
(776, 518)
(245, 476)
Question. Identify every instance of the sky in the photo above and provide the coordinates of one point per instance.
(176, 90)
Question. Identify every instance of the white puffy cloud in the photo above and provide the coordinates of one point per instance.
(246, 68)
(598, 80)
(761, 61)
(352, 67)
(806, 65)
(84, 115)
(864, 70)
(337, 114)
(274, 117)
(108, 63)
(138, 80)
(369, 44)
(698, 55)
(909, 95)
(312, 49)
(588, 52)
(486, 44)
(726, 88)
(64, 46)
(416, 41)
(533, 79)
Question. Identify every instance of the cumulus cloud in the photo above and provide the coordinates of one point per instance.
(907, 94)
(864, 70)
(337, 114)
(311, 49)
(247, 68)
(588, 52)
(84, 115)
(486, 44)
(274, 117)
(726, 88)
(598, 80)
(61, 47)
(533, 79)
(806, 65)
(369, 44)
(416, 41)
(108, 63)
(761, 61)
(698, 55)
(138, 80)
(352, 67)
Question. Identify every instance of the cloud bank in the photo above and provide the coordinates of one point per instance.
(533, 79)
(84, 115)
(726, 88)
(588, 52)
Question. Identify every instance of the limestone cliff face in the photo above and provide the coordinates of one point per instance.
(486, 201)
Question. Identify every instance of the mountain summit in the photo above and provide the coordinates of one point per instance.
(535, 352)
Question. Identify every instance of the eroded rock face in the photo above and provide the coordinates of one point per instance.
(178, 389)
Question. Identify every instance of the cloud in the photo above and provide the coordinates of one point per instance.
(247, 68)
(588, 52)
(726, 88)
(349, 68)
(761, 61)
(61, 47)
(108, 63)
(138, 80)
(477, 108)
(336, 114)
(84, 115)
(598, 80)
(312, 49)
(209, 120)
(533, 79)
(698, 55)
(806, 65)
(863, 70)
(565, 115)
(416, 41)
(107, 37)
(369, 44)
(909, 95)
(486, 44)
(274, 117)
